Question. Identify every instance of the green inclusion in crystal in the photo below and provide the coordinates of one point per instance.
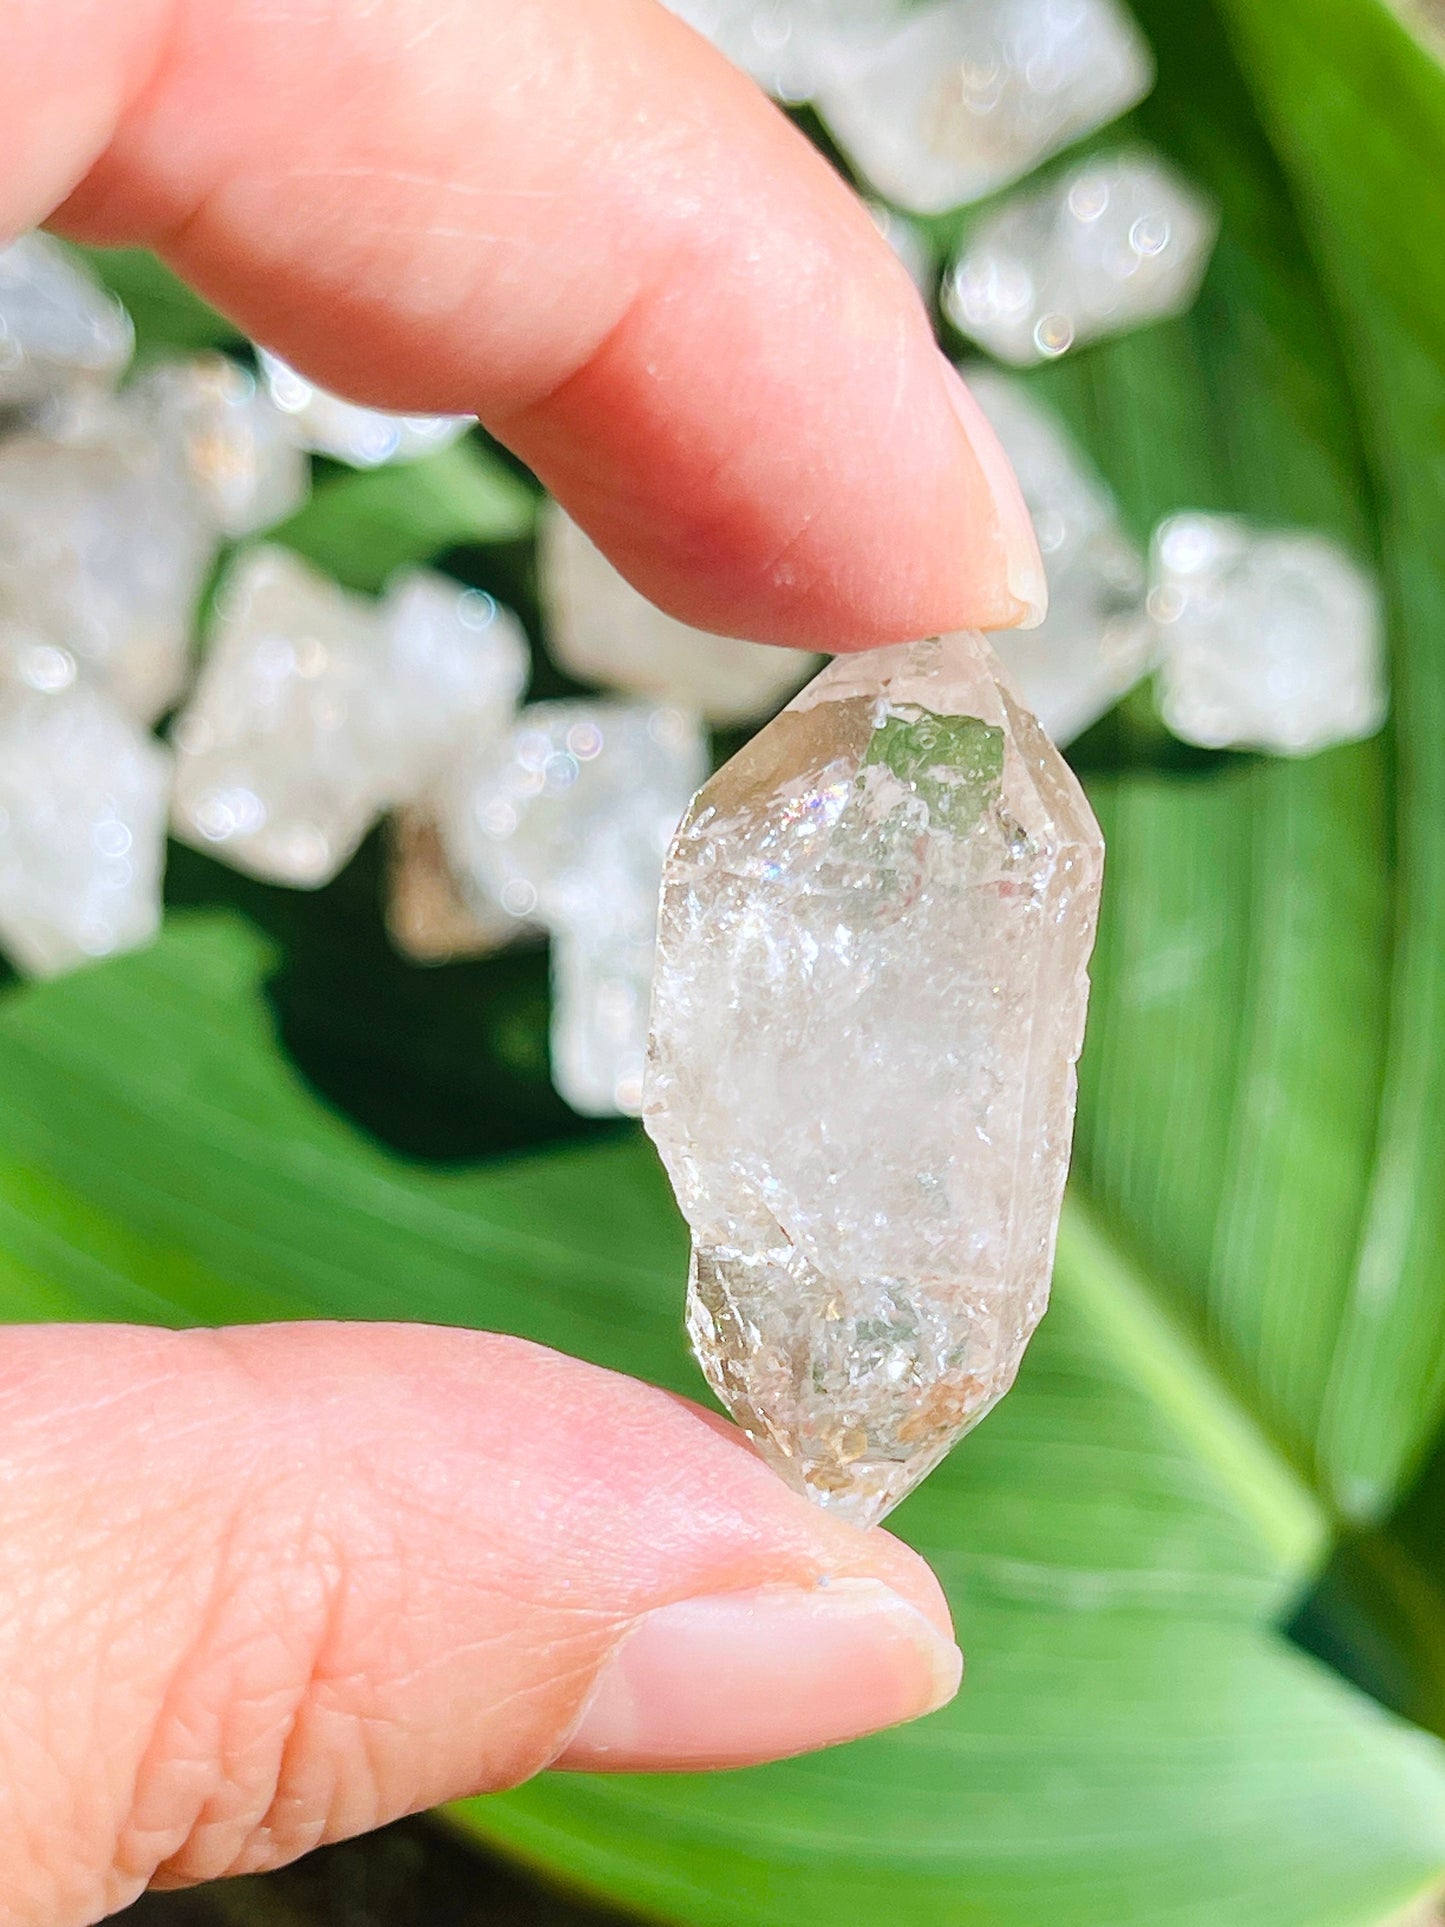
(953, 763)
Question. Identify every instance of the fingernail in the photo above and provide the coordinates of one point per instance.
(1023, 565)
(737, 1678)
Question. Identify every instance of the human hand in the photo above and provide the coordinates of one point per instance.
(267, 1588)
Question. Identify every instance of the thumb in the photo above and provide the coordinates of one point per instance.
(270, 1587)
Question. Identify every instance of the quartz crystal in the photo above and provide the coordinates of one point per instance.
(228, 437)
(58, 326)
(427, 916)
(964, 96)
(869, 997)
(909, 242)
(790, 47)
(364, 437)
(315, 710)
(601, 630)
(1096, 640)
(104, 548)
(566, 824)
(82, 817)
(1269, 639)
(1117, 242)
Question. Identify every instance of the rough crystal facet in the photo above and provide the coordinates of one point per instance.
(1096, 640)
(566, 824)
(1117, 242)
(601, 630)
(83, 793)
(964, 96)
(104, 547)
(315, 710)
(363, 437)
(58, 326)
(869, 998)
(1269, 639)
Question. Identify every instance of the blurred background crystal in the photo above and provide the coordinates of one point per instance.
(224, 431)
(1269, 639)
(83, 800)
(1118, 241)
(104, 547)
(344, 430)
(909, 242)
(566, 823)
(316, 710)
(599, 629)
(1096, 640)
(428, 917)
(58, 326)
(788, 46)
(957, 99)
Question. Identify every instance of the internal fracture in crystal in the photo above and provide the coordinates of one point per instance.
(601, 630)
(315, 710)
(59, 327)
(1096, 640)
(959, 98)
(83, 791)
(1118, 241)
(869, 998)
(1269, 639)
(344, 430)
(565, 824)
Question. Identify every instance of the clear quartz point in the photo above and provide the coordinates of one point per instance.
(600, 629)
(344, 430)
(964, 96)
(1114, 243)
(1096, 640)
(869, 998)
(1270, 639)
(83, 791)
(59, 327)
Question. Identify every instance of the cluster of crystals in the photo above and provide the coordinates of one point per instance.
(114, 504)
(1263, 639)
(1096, 640)
(563, 822)
(601, 630)
(1113, 243)
(874, 932)
(1268, 639)
(955, 100)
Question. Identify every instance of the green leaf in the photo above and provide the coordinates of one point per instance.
(360, 527)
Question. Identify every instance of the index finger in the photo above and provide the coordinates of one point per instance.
(575, 220)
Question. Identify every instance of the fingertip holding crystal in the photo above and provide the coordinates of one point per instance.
(950, 102)
(868, 1001)
(1270, 639)
(600, 629)
(1109, 245)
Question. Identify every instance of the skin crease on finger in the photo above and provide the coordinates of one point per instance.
(274, 1586)
(573, 218)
